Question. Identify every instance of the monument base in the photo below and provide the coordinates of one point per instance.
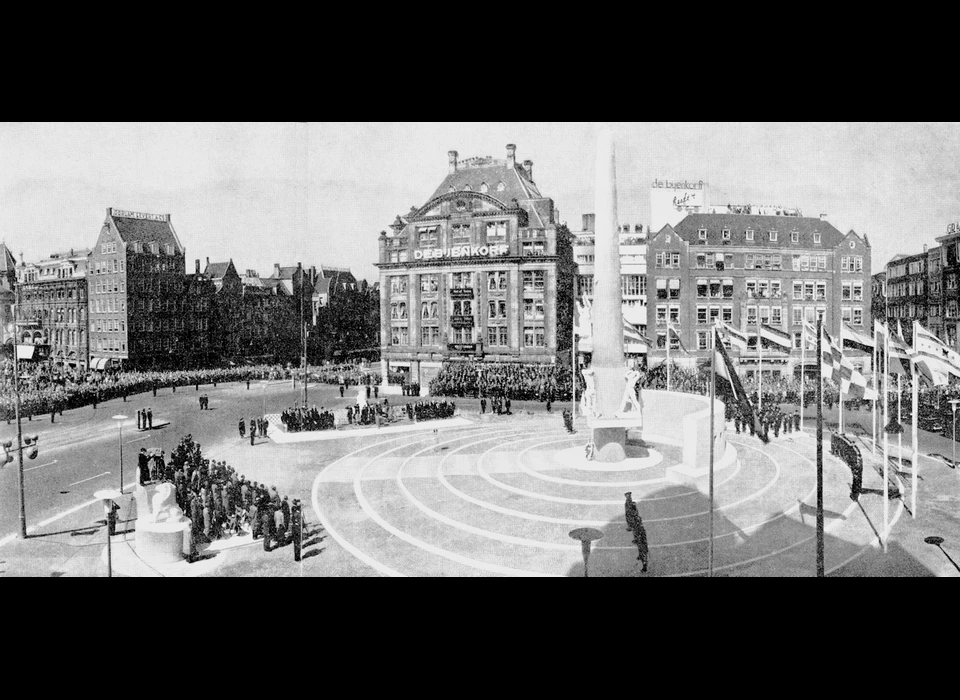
(610, 438)
(163, 543)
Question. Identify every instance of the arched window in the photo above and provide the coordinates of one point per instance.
(484, 188)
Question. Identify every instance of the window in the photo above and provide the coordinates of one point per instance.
(674, 259)
(398, 285)
(660, 257)
(751, 315)
(497, 309)
(847, 293)
(702, 338)
(765, 315)
(674, 289)
(816, 237)
(155, 248)
(821, 291)
(460, 234)
(497, 335)
(797, 315)
(749, 234)
(773, 236)
(496, 230)
(428, 237)
(702, 234)
(534, 248)
(430, 335)
(726, 234)
(400, 335)
(534, 280)
(463, 335)
(702, 289)
(808, 291)
(661, 315)
(586, 285)
(858, 315)
(751, 288)
(702, 315)
(674, 314)
(846, 314)
(661, 340)
(429, 284)
(534, 337)
(714, 314)
(727, 289)
(461, 280)
(533, 309)
(496, 281)
(794, 236)
(776, 316)
(630, 285)
(463, 307)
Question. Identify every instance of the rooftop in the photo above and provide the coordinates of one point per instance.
(738, 224)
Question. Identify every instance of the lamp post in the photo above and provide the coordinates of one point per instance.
(120, 420)
(108, 496)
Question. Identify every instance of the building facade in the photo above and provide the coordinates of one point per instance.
(633, 274)
(908, 287)
(746, 270)
(53, 308)
(473, 273)
(136, 279)
(950, 262)
(8, 283)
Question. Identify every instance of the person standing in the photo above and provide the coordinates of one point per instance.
(341, 391)
(201, 402)
(149, 418)
(138, 419)
(242, 428)
(143, 466)
(483, 405)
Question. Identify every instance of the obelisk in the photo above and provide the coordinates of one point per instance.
(609, 432)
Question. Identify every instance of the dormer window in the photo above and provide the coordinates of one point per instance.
(726, 234)
(169, 248)
(467, 188)
(816, 237)
(484, 188)
(773, 236)
(155, 248)
(452, 189)
(749, 234)
(702, 234)
(795, 237)
(501, 187)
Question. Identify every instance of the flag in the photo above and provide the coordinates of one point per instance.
(809, 334)
(726, 370)
(583, 324)
(777, 337)
(851, 338)
(827, 362)
(631, 334)
(673, 329)
(734, 336)
(933, 357)
(851, 382)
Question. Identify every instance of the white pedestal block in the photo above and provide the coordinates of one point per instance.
(162, 543)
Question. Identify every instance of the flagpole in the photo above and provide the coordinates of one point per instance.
(900, 419)
(840, 397)
(760, 371)
(573, 348)
(713, 395)
(915, 395)
(886, 442)
(803, 364)
(668, 354)
(876, 386)
(820, 571)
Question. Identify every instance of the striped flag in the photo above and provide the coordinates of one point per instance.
(776, 337)
(631, 334)
(809, 334)
(733, 336)
(852, 383)
(726, 370)
(852, 338)
(827, 361)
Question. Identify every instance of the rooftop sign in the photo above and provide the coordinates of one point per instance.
(677, 185)
(465, 251)
(123, 214)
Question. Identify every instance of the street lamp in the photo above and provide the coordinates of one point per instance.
(108, 496)
(120, 420)
(953, 404)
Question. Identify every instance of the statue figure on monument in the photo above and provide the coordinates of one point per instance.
(631, 404)
(588, 402)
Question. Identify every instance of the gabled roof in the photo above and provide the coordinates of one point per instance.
(143, 230)
(479, 171)
(738, 224)
(7, 261)
(218, 271)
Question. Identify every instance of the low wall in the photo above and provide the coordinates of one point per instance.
(684, 420)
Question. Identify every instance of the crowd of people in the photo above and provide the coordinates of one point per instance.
(219, 502)
(301, 419)
(519, 382)
(430, 410)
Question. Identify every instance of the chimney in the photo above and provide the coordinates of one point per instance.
(198, 266)
(924, 247)
(589, 222)
(313, 272)
(511, 155)
(276, 270)
(528, 166)
(208, 262)
(453, 161)
(823, 217)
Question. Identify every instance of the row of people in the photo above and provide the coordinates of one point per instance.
(301, 419)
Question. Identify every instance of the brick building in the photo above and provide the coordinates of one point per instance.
(748, 269)
(907, 285)
(950, 261)
(8, 283)
(473, 273)
(53, 308)
(136, 279)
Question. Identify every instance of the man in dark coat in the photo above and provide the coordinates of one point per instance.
(149, 418)
(483, 406)
(635, 525)
(243, 429)
(143, 465)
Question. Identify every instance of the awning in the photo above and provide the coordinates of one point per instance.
(25, 352)
(674, 284)
(661, 284)
(98, 363)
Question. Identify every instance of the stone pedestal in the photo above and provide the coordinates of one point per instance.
(610, 437)
(163, 533)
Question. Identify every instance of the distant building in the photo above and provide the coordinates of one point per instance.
(52, 314)
(746, 270)
(136, 278)
(475, 272)
(907, 284)
(950, 260)
(633, 273)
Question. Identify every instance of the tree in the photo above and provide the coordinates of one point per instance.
(566, 279)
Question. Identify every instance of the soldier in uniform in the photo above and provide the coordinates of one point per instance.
(296, 522)
(149, 418)
(483, 405)
(143, 464)
(243, 429)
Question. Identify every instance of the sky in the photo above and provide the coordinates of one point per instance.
(320, 193)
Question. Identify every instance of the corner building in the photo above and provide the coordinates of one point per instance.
(747, 270)
(473, 273)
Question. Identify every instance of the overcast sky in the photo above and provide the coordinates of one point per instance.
(321, 193)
